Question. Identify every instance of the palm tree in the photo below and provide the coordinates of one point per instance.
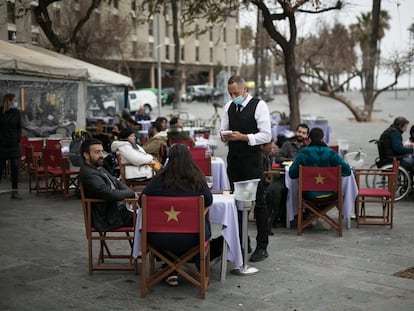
(368, 32)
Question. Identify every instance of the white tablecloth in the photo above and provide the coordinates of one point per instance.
(145, 124)
(219, 172)
(224, 212)
(349, 194)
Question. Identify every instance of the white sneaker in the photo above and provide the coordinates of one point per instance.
(172, 280)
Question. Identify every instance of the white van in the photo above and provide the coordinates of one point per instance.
(142, 98)
(136, 99)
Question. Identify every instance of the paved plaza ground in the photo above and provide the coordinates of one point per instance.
(43, 258)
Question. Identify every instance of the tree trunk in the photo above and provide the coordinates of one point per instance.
(292, 86)
(372, 59)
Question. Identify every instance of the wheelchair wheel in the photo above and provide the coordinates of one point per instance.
(403, 182)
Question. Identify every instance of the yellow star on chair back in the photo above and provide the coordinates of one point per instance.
(181, 215)
(319, 179)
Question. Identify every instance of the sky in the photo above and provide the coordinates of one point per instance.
(396, 38)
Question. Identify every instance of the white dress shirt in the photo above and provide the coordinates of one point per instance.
(262, 117)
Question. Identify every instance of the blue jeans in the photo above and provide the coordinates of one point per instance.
(14, 168)
(408, 163)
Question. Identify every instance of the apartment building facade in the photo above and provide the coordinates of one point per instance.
(148, 47)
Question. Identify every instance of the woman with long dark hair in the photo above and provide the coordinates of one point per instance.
(11, 131)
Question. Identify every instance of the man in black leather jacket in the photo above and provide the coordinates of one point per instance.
(98, 183)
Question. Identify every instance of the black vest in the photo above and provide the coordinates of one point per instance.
(245, 123)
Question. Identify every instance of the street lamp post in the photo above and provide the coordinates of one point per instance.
(159, 64)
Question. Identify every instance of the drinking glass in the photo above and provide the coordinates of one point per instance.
(209, 180)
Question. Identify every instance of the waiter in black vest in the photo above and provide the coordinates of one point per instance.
(249, 120)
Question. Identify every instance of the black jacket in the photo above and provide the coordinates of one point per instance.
(109, 215)
(11, 130)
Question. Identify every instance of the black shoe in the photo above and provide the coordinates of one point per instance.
(216, 248)
(259, 254)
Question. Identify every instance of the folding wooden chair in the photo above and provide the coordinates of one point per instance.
(136, 185)
(383, 195)
(174, 215)
(35, 169)
(202, 160)
(320, 179)
(58, 175)
(118, 234)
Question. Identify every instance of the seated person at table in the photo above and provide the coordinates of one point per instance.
(176, 131)
(158, 138)
(317, 153)
(164, 123)
(142, 115)
(392, 146)
(98, 183)
(128, 122)
(275, 189)
(116, 130)
(180, 177)
(290, 148)
(134, 154)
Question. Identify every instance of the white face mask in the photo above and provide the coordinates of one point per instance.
(15, 105)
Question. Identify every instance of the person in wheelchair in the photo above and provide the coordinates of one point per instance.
(392, 145)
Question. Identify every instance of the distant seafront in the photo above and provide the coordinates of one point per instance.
(343, 125)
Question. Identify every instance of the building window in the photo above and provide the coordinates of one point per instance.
(134, 49)
(211, 55)
(167, 29)
(197, 54)
(182, 53)
(167, 52)
(35, 39)
(237, 36)
(151, 28)
(10, 13)
(133, 5)
(151, 50)
(115, 4)
(224, 35)
(12, 36)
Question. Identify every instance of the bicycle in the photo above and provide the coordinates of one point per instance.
(405, 182)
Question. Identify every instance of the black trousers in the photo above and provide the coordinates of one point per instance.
(246, 168)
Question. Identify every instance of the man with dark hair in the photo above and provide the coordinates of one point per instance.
(317, 153)
(98, 183)
(392, 144)
(157, 141)
(290, 148)
(176, 131)
(246, 122)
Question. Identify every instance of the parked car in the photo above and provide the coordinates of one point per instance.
(164, 95)
(201, 92)
(142, 98)
(170, 91)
